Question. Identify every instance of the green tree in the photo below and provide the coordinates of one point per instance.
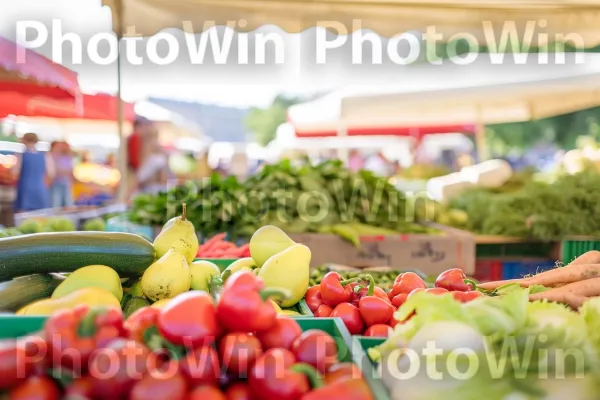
(263, 122)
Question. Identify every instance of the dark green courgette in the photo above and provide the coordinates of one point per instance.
(20, 292)
(39, 253)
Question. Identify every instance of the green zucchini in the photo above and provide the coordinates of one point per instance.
(20, 292)
(40, 253)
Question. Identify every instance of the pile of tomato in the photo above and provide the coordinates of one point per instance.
(234, 347)
(369, 310)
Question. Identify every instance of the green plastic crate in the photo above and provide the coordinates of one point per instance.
(573, 247)
(518, 249)
(304, 309)
(222, 263)
(12, 326)
(360, 345)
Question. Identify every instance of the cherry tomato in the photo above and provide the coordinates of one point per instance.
(238, 391)
(323, 311)
(342, 371)
(351, 317)
(378, 330)
(282, 334)
(36, 388)
(238, 352)
(201, 366)
(206, 393)
(316, 348)
(154, 386)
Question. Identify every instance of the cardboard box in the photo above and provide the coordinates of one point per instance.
(431, 254)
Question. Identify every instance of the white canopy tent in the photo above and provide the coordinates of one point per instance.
(480, 93)
(388, 18)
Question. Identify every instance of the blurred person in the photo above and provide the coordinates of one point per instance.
(356, 161)
(378, 164)
(61, 188)
(135, 152)
(33, 169)
(153, 174)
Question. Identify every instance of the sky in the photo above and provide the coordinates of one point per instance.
(86, 17)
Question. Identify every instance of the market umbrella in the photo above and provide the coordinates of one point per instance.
(386, 17)
(21, 102)
(23, 66)
(430, 96)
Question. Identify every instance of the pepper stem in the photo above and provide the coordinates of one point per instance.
(183, 211)
(472, 283)
(310, 372)
(279, 293)
(87, 326)
(371, 285)
(351, 280)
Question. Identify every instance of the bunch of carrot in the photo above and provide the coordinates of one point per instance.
(218, 247)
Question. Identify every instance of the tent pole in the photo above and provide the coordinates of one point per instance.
(123, 190)
(482, 152)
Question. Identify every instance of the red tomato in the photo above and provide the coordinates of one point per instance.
(159, 387)
(323, 311)
(351, 317)
(238, 391)
(379, 330)
(206, 393)
(316, 348)
(238, 352)
(201, 366)
(36, 388)
(282, 334)
(342, 371)
(80, 387)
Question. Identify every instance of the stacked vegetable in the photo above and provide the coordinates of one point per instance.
(384, 277)
(196, 347)
(289, 197)
(539, 210)
(512, 348)
(218, 247)
(368, 310)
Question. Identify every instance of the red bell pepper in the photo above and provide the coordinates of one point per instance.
(159, 387)
(313, 297)
(350, 389)
(465, 297)
(400, 299)
(189, 320)
(238, 352)
(323, 311)
(379, 330)
(81, 330)
(351, 317)
(333, 291)
(206, 392)
(374, 310)
(244, 305)
(342, 371)
(13, 364)
(138, 322)
(316, 348)
(455, 280)
(282, 334)
(115, 369)
(36, 387)
(277, 376)
(201, 366)
(363, 290)
(238, 391)
(407, 282)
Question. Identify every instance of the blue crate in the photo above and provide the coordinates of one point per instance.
(519, 269)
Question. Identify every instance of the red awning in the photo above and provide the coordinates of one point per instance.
(415, 131)
(94, 107)
(36, 70)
